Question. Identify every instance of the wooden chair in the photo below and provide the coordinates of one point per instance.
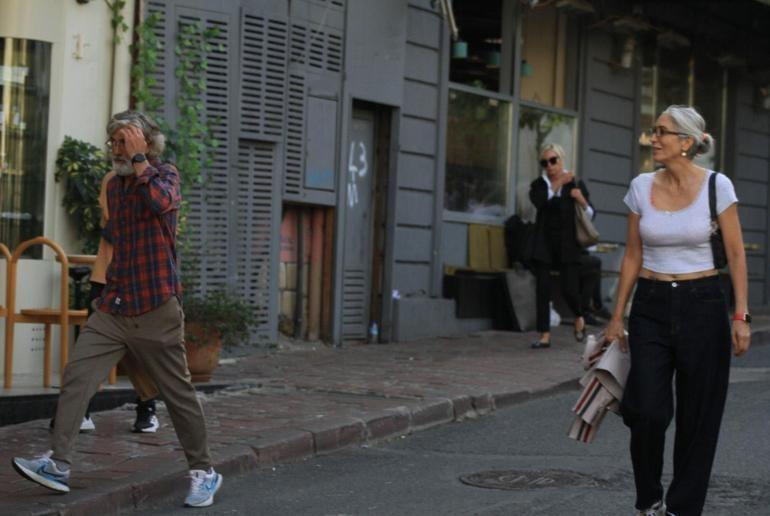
(62, 316)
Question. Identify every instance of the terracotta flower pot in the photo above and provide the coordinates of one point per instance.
(203, 350)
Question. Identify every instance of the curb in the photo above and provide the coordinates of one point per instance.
(309, 439)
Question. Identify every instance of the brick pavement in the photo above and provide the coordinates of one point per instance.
(289, 405)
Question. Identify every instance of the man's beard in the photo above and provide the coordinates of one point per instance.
(122, 167)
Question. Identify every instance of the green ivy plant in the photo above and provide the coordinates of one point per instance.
(193, 138)
(81, 166)
(146, 49)
(117, 21)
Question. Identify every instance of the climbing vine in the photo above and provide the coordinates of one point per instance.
(117, 21)
(146, 49)
(193, 138)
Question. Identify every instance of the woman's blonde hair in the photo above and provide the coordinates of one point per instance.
(554, 147)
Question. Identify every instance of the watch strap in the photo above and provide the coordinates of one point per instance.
(742, 316)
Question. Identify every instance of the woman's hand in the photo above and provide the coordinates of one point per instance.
(615, 331)
(577, 194)
(741, 337)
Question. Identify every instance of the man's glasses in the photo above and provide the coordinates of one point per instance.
(111, 144)
(661, 131)
(550, 161)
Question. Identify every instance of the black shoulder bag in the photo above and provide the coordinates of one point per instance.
(717, 243)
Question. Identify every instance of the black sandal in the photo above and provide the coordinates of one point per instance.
(540, 344)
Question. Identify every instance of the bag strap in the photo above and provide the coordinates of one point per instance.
(713, 196)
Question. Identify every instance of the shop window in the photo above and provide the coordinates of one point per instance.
(478, 154)
(24, 93)
(675, 77)
(537, 127)
(476, 54)
(548, 66)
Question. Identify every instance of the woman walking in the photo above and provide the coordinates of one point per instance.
(679, 326)
(554, 195)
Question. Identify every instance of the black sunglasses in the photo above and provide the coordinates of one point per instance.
(552, 161)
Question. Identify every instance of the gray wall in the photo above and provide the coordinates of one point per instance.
(419, 130)
(607, 147)
(748, 164)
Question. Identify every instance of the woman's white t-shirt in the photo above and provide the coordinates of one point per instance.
(677, 242)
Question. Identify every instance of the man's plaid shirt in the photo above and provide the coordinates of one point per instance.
(141, 227)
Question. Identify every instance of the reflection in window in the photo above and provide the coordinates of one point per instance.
(478, 154)
(708, 100)
(476, 54)
(549, 57)
(24, 90)
(678, 78)
(537, 127)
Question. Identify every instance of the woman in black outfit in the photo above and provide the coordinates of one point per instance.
(554, 195)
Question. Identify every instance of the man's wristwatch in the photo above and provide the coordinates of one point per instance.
(742, 316)
(138, 158)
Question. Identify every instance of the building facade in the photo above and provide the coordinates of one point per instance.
(360, 140)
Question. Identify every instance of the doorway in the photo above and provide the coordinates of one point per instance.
(366, 201)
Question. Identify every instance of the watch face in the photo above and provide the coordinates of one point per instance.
(747, 318)
(138, 158)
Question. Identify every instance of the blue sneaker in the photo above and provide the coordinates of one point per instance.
(43, 470)
(203, 487)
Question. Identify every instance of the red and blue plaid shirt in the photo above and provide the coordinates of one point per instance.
(141, 227)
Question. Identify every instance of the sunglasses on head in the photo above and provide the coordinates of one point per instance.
(550, 161)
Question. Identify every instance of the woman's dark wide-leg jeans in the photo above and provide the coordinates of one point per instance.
(682, 330)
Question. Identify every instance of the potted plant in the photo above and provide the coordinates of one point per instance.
(211, 321)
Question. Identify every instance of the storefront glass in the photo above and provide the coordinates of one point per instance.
(675, 77)
(548, 57)
(476, 54)
(24, 96)
(536, 128)
(478, 154)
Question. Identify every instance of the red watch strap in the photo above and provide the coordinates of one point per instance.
(739, 317)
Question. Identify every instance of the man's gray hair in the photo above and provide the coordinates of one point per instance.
(690, 123)
(151, 130)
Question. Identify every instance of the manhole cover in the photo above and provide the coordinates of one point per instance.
(510, 480)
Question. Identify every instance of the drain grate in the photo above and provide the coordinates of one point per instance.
(513, 479)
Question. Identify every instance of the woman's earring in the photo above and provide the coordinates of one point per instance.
(684, 153)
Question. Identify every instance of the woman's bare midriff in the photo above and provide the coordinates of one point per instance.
(660, 276)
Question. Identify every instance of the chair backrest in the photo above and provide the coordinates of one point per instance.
(7, 254)
(64, 280)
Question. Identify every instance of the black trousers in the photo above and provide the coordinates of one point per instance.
(590, 282)
(677, 330)
(569, 274)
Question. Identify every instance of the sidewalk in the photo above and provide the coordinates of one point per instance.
(290, 405)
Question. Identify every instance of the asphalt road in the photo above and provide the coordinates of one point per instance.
(420, 474)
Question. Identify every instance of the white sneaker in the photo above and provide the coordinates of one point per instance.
(203, 487)
(658, 509)
(87, 425)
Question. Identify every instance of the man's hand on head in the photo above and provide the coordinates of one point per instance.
(135, 144)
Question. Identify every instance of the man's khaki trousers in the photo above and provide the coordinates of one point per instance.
(156, 339)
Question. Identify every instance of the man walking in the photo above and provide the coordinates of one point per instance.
(139, 310)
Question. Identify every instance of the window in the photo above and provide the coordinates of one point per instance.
(549, 60)
(676, 77)
(478, 154)
(537, 127)
(24, 90)
(476, 55)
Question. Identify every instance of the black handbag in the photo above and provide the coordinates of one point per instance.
(717, 242)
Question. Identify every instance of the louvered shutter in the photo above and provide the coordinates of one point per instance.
(316, 55)
(258, 217)
(208, 224)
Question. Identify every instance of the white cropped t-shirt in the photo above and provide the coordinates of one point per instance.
(677, 242)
